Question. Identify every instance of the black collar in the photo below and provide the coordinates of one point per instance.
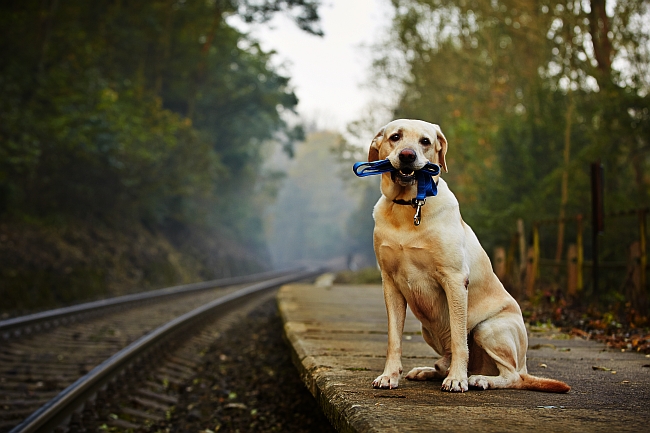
(411, 202)
(404, 202)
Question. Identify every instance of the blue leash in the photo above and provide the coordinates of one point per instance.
(426, 186)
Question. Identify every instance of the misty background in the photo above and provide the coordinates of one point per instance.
(149, 144)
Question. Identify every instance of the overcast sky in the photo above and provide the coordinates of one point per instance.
(328, 72)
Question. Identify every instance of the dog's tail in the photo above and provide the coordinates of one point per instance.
(534, 383)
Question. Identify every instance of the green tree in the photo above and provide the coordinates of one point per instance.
(142, 114)
(514, 84)
(529, 93)
(137, 107)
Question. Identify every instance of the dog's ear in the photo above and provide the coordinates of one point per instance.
(373, 152)
(443, 148)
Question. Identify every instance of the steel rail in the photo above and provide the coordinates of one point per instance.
(50, 415)
(15, 326)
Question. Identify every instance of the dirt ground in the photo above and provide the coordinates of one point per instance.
(248, 384)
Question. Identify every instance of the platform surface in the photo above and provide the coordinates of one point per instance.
(338, 337)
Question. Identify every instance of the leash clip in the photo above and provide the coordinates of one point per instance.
(417, 204)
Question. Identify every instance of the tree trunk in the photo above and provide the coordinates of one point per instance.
(640, 176)
(603, 51)
(165, 42)
(564, 197)
(47, 21)
(201, 67)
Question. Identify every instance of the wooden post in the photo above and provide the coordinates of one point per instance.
(521, 234)
(572, 270)
(536, 250)
(512, 271)
(597, 217)
(530, 273)
(634, 272)
(500, 263)
(580, 257)
(643, 252)
(532, 270)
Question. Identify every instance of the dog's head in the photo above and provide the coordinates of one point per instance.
(409, 145)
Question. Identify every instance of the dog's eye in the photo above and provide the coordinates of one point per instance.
(425, 141)
(394, 137)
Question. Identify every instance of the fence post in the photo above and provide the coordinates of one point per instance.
(643, 258)
(536, 250)
(500, 263)
(597, 216)
(533, 261)
(580, 258)
(512, 271)
(572, 270)
(521, 234)
(637, 292)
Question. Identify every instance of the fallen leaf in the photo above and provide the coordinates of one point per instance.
(579, 333)
(539, 346)
(560, 336)
(601, 368)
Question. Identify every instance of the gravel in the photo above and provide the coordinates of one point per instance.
(247, 384)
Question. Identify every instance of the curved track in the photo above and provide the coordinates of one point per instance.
(80, 373)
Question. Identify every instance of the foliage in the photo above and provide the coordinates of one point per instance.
(528, 94)
(144, 109)
(151, 113)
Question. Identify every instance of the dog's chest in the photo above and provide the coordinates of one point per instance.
(410, 262)
(399, 251)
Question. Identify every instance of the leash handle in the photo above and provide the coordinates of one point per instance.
(363, 169)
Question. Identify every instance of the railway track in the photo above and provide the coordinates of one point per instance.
(118, 363)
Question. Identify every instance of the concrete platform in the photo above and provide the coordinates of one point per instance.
(338, 336)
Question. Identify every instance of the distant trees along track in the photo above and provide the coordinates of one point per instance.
(112, 362)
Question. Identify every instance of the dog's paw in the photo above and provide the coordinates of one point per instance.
(423, 373)
(386, 381)
(478, 381)
(453, 384)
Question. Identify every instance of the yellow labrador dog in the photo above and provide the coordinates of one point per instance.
(441, 271)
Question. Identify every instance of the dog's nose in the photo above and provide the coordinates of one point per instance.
(407, 156)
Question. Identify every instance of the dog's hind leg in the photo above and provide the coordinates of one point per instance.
(504, 340)
(507, 378)
(439, 369)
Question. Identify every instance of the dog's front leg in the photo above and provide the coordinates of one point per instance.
(396, 309)
(456, 380)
